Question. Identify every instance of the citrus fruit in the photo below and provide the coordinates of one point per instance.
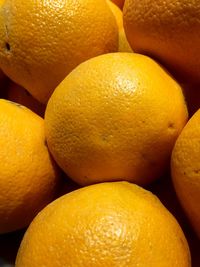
(168, 31)
(29, 178)
(18, 94)
(123, 45)
(107, 225)
(185, 168)
(42, 41)
(114, 117)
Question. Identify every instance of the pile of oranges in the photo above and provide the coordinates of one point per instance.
(105, 96)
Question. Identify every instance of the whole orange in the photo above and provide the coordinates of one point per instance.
(105, 225)
(29, 178)
(168, 31)
(185, 168)
(42, 41)
(115, 117)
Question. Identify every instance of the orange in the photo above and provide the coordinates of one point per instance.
(107, 225)
(168, 31)
(18, 94)
(28, 176)
(123, 45)
(119, 3)
(185, 168)
(42, 41)
(115, 117)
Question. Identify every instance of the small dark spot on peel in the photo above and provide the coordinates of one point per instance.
(45, 143)
(7, 45)
(171, 125)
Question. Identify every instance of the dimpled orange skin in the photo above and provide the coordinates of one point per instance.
(185, 168)
(29, 178)
(105, 225)
(168, 31)
(42, 41)
(115, 117)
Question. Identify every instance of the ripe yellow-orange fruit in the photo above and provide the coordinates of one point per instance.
(18, 94)
(42, 41)
(28, 175)
(168, 31)
(185, 168)
(123, 45)
(105, 225)
(115, 117)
